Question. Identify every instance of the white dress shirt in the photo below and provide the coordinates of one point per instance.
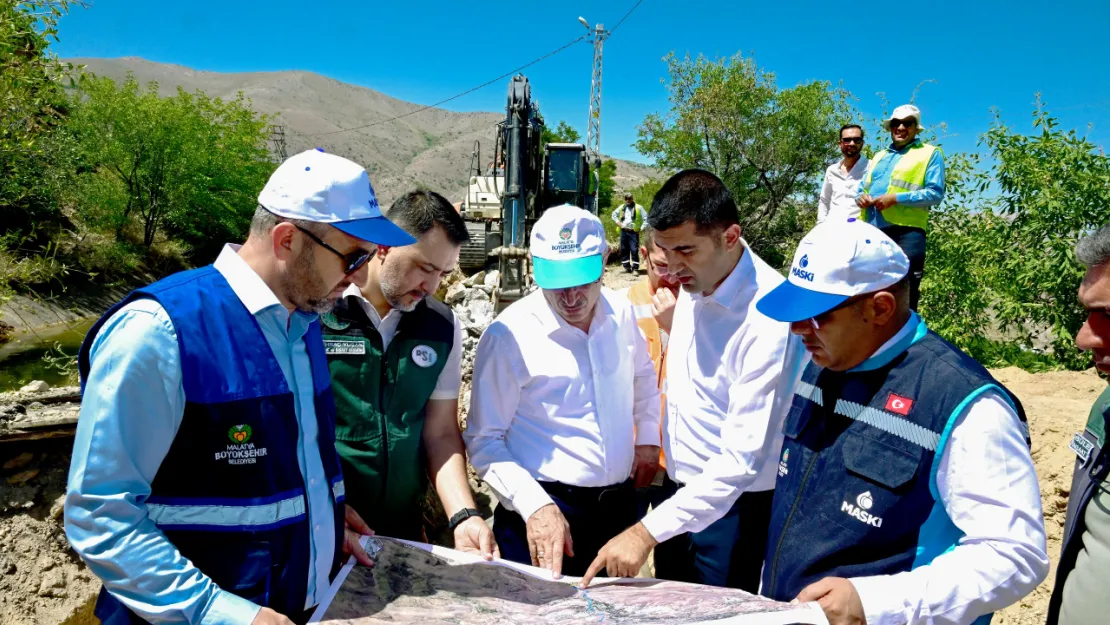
(987, 484)
(731, 372)
(552, 403)
(838, 193)
(450, 379)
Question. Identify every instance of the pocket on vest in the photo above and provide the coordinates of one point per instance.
(877, 478)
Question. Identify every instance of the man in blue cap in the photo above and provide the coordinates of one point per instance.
(561, 379)
(905, 490)
(205, 485)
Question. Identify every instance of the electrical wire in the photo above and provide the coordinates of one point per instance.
(468, 91)
(625, 16)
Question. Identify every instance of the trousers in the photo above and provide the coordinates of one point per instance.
(595, 515)
(912, 242)
(630, 249)
(728, 553)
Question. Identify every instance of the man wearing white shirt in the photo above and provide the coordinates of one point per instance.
(838, 193)
(905, 491)
(561, 379)
(730, 371)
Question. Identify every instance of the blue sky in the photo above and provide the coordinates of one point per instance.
(982, 54)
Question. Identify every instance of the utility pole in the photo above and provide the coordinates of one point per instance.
(277, 138)
(597, 36)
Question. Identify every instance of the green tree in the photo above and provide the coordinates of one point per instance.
(563, 133)
(32, 157)
(188, 165)
(606, 186)
(769, 145)
(1054, 186)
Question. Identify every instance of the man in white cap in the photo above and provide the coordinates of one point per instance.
(905, 490)
(901, 183)
(561, 378)
(205, 486)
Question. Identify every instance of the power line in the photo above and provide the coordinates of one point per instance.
(625, 16)
(468, 91)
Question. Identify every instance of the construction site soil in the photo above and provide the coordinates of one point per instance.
(42, 582)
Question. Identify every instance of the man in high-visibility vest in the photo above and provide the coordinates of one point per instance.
(653, 299)
(901, 183)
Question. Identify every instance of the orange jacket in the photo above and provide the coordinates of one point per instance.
(640, 296)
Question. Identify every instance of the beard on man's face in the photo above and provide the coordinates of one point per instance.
(305, 288)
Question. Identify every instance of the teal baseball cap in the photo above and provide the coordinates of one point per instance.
(568, 248)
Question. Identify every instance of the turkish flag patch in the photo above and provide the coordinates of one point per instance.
(899, 404)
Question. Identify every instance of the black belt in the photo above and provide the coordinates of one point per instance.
(589, 494)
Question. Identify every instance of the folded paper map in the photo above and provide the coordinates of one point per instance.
(414, 583)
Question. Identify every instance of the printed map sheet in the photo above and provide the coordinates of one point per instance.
(414, 583)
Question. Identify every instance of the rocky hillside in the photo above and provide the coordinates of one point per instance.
(431, 148)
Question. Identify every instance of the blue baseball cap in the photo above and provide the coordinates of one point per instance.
(835, 261)
(568, 248)
(326, 188)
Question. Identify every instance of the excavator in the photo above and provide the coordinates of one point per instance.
(525, 178)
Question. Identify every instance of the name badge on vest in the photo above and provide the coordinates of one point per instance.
(344, 348)
(1081, 446)
(424, 356)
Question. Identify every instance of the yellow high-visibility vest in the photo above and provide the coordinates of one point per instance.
(908, 175)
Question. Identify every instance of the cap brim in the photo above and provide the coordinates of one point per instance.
(789, 302)
(377, 230)
(563, 274)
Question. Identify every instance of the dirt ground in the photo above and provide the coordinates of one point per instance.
(42, 582)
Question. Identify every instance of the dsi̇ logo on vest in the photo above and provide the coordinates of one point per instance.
(799, 271)
(424, 356)
(859, 511)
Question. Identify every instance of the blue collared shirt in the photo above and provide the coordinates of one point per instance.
(931, 195)
(133, 404)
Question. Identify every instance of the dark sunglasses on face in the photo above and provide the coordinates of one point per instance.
(352, 262)
(858, 140)
(909, 123)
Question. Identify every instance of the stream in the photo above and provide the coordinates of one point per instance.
(25, 357)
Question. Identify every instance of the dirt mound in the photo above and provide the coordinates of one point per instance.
(42, 581)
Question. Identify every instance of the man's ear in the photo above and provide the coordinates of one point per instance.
(884, 307)
(732, 236)
(383, 251)
(604, 260)
(283, 238)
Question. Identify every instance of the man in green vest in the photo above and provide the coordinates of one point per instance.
(395, 359)
(901, 183)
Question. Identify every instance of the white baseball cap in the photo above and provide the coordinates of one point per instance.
(568, 248)
(902, 112)
(326, 188)
(835, 261)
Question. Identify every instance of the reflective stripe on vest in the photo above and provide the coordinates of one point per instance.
(228, 515)
(339, 491)
(886, 421)
(643, 311)
(908, 175)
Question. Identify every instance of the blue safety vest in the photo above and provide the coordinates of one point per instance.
(856, 491)
(230, 494)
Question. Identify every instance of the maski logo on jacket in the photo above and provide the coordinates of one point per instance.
(859, 511)
(800, 272)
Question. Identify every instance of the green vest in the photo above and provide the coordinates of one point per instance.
(908, 175)
(378, 430)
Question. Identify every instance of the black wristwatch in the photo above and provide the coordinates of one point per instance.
(461, 516)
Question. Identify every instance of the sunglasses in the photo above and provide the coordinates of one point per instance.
(909, 122)
(824, 317)
(352, 262)
(858, 140)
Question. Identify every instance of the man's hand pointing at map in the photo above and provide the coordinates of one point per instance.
(623, 556)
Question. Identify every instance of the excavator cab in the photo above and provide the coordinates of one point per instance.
(567, 176)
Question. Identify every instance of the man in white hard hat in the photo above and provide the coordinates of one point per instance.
(562, 378)
(905, 490)
(205, 486)
(901, 183)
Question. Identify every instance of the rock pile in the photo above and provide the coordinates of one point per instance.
(471, 299)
